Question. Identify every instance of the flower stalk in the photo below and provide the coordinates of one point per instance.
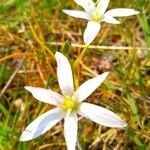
(80, 57)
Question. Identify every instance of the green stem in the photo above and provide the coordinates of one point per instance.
(76, 81)
(80, 56)
(75, 66)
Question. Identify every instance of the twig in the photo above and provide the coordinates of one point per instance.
(14, 55)
(101, 47)
(10, 79)
(41, 74)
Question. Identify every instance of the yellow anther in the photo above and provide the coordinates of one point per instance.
(69, 104)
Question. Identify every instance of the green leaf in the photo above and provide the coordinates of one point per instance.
(4, 110)
(66, 47)
(134, 109)
(136, 139)
(145, 26)
(21, 146)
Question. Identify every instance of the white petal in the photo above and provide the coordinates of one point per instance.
(77, 14)
(45, 95)
(88, 5)
(102, 6)
(121, 12)
(101, 115)
(110, 19)
(89, 86)
(64, 74)
(70, 131)
(41, 125)
(91, 31)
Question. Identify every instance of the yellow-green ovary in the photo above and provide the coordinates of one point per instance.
(96, 16)
(69, 104)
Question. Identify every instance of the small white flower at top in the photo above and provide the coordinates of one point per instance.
(68, 105)
(96, 13)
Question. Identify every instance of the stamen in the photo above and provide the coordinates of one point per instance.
(69, 104)
(96, 16)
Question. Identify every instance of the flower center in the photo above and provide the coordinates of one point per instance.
(69, 104)
(96, 16)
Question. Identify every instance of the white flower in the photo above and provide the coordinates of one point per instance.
(69, 105)
(96, 13)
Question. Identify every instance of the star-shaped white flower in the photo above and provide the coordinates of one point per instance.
(96, 13)
(68, 105)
